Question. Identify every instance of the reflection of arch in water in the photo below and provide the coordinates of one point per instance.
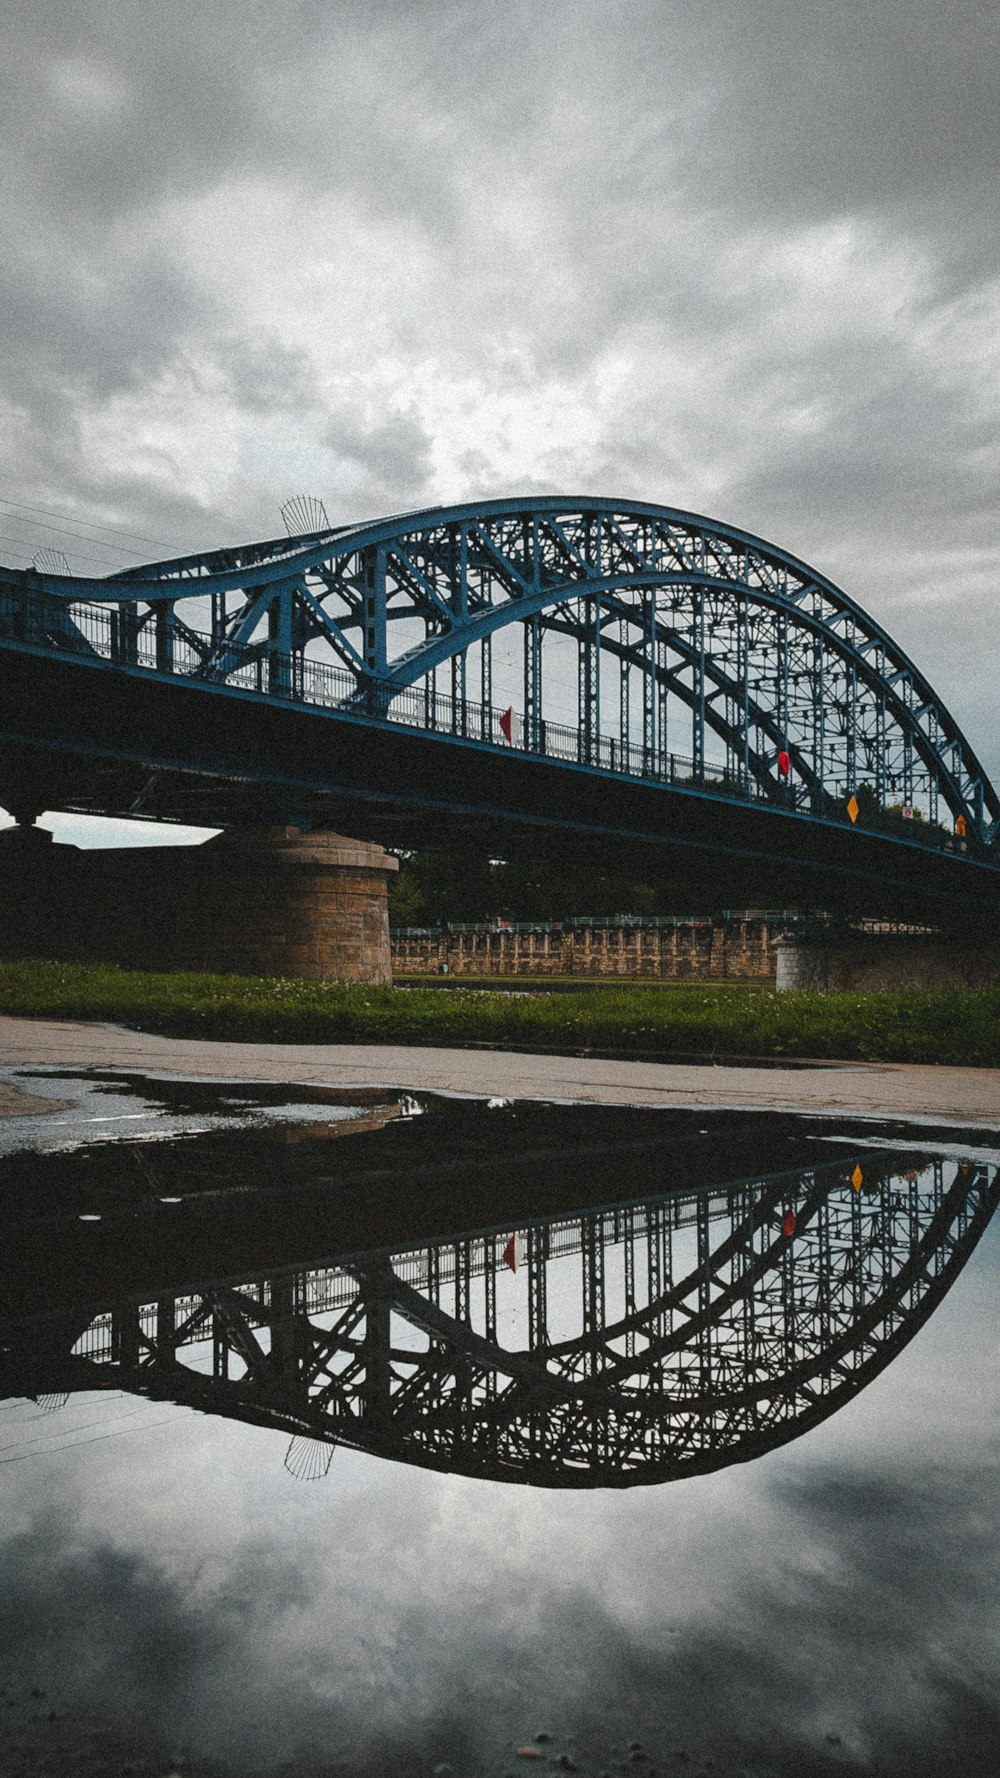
(704, 1333)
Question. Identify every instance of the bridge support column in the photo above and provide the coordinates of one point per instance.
(280, 901)
(878, 962)
(28, 869)
(253, 901)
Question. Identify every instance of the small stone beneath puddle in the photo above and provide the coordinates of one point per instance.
(543, 1735)
(529, 1753)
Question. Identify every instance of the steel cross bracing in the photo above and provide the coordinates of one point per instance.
(634, 1344)
(697, 652)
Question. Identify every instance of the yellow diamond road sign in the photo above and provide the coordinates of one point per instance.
(853, 808)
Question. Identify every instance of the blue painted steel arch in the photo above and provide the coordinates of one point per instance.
(673, 618)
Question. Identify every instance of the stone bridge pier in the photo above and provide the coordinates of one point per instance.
(274, 901)
(876, 962)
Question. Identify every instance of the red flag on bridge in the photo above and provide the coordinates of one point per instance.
(510, 1253)
(784, 763)
(506, 722)
(788, 1224)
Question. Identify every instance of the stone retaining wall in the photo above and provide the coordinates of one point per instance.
(721, 950)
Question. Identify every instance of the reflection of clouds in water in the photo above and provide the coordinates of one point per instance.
(843, 1586)
(745, 1617)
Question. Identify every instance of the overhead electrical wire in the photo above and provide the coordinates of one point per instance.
(64, 531)
(19, 542)
(73, 1444)
(88, 524)
(60, 1431)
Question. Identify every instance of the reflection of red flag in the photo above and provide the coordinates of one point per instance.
(784, 763)
(789, 1223)
(510, 1253)
(506, 722)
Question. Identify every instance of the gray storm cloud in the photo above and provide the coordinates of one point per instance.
(857, 1616)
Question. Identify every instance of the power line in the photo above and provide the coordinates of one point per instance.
(64, 531)
(31, 542)
(73, 1444)
(89, 524)
(47, 1437)
(95, 561)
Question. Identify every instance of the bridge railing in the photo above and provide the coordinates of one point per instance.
(154, 644)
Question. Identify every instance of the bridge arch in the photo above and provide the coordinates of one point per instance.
(701, 654)
(709, 1327)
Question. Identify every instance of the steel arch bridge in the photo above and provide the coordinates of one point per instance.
(653, 647)
(635, 1344)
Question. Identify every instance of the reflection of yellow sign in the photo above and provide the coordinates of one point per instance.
(852, 808)
(960, 826)
(857, 1179)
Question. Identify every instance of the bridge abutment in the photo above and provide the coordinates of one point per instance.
(254, 901)
(881, 962)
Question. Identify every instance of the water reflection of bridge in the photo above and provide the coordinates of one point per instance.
(636, 1342)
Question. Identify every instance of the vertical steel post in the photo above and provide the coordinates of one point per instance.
(781, 680)
(376, 1400)
(662, 733)
(588, 681)
(698, 698)
(218, 620)
(628, 1241)
(934, 772)
(486, 686)
(743, 653)
(533, 683)
(537, 1244)
(624, 713)
(852, 717)
(648, 681)
(279, 642)
(164, 620)
(458, 723)
(458, 599)
(373, 581)
(490, 1281)
(592, 1250)
(819, 721)
(880, 763)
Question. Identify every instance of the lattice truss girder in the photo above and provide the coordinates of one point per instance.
(692, 640)
(705, 1331)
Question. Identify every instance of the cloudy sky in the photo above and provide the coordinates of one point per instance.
(737, 256)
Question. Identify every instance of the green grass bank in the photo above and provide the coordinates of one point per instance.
(960, 1027)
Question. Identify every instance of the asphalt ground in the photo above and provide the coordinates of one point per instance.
(942, 1095)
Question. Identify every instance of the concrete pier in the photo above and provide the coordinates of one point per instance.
(878, 962)
(253, 901)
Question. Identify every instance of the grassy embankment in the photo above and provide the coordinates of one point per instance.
(961, 1027)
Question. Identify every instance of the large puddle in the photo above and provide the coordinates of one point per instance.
(395, 1433)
